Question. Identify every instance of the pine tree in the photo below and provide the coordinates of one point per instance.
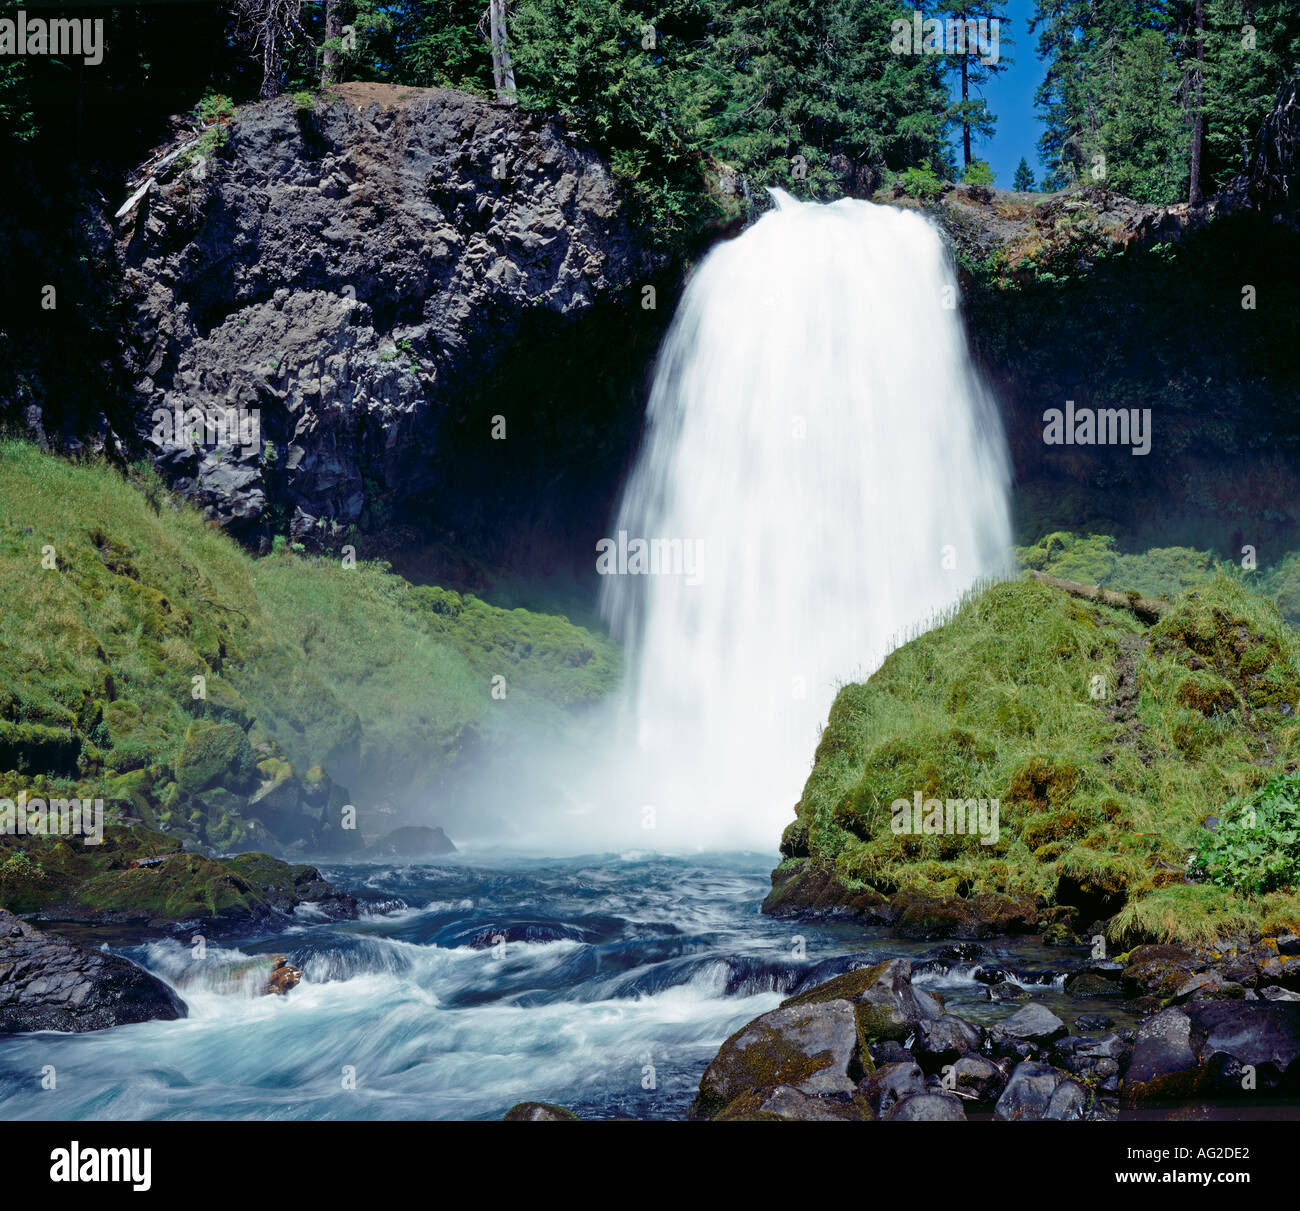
(971, 67)
(1024, 178)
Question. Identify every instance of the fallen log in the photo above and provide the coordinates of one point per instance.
(1148, 609)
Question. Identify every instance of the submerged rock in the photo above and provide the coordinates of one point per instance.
(539, 1112)
(47, 983)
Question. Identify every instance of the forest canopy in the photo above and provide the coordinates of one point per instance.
(698, 103)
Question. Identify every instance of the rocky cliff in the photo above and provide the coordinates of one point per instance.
(367, 271)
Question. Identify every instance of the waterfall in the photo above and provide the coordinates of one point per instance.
(822, 472)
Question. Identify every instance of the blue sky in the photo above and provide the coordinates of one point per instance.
(1011, 96)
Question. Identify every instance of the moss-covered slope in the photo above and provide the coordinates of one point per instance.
(1107, 745)
(227, 701)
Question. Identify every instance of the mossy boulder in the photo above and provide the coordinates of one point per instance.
(811, 1047)
(214, 754)
(885, 1004)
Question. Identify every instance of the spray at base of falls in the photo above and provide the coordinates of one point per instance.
(821, 449)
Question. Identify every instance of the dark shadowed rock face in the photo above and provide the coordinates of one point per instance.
(49, 984)
(352, 272)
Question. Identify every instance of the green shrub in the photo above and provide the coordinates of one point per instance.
(922, 183)
(1256, 847)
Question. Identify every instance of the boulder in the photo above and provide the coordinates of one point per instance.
(1039, 1091)
(978, 1078)
(1204, 1047)
(890, 1083)
(885, 1003)
(47, 983)
(928, 1108)
(413, 843)
(283, 977)
(944, 1041)
(539, 1112)
(1034, 1024)
(789, 1105)
(812, 1047)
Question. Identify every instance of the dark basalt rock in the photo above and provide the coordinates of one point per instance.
(977, 1077)
(812, 1047)
(1203, 1048)
(944, 1041)
(539, 1112)
(355, 274)
(928, 1108)
(1038, 1091)
(413, 843)
(886, 1004)
(1034, 1023)
(47, 983)
(890, 1083)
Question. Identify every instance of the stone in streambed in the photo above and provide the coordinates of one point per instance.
(944, 1041)
(891, 1083)
(980, 1079)
(283, 977)
(539, 1112)
(885, 1002)
(789, 1105)
(47, 983)
(811, 1047)
(1040, 1092)
(1034, 1023)
(928, 1108)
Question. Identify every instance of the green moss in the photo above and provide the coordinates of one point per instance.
(1101, 794)
(153, 628)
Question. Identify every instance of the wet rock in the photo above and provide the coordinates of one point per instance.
(539, 1112)
(977, 1077)
(1008, 991)
(1089, 984)
(1274, 993)
(885, 1002)
(1039, 1091)
(1205, 1047)
(891, 1083)
(789, 1105)
(943, 1041)
(411, 844)
(1093, 1021)
(284, 977)
(812, 1047)
(1034, 1023)
(47, 983)
(928, 1108)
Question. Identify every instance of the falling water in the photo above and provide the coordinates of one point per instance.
(820, 446)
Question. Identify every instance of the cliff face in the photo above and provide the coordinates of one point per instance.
(355, 272)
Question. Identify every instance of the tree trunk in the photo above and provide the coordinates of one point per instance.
(1198, 116)
(503, 72)
(329, 71)
(1145, 608)
(965, 113)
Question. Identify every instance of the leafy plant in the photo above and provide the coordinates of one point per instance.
(922, 183)
(978, 172)
(1256, 847)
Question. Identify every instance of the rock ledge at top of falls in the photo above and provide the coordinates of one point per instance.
(47, 983)
(349, 271)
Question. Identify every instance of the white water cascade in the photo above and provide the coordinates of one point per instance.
(828, 472)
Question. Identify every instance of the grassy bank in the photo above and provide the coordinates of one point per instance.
(1108, 745)
(231, 701)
